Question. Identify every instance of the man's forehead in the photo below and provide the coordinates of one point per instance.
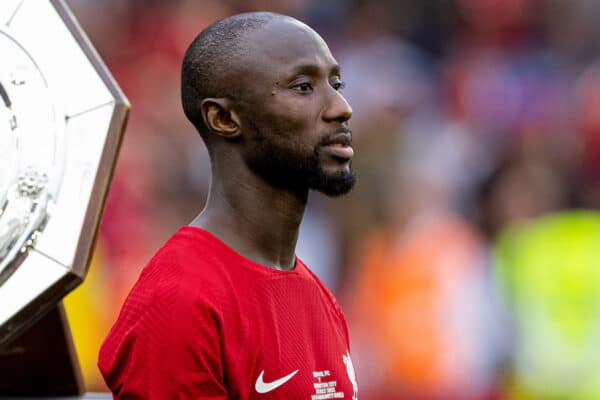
(288, 44)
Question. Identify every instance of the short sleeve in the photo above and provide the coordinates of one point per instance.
(165, 345)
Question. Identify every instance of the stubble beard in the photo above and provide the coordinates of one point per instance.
(287, 168)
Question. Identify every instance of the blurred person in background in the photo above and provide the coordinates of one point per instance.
(420, 307)
(539, 213)
(545, 261)
(548, 274)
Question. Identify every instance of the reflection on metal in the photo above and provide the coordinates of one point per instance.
(62, 117)
(23, 217)
(30, 131)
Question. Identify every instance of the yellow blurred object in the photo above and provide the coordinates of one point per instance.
(548, 270)
(87, 311)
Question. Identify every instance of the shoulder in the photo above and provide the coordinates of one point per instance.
(319, 284)
(182, 277)
(171, 302)
(190, 261)
(189, 247)
(327, 296)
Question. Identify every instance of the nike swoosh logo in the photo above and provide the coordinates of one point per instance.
(263, 387)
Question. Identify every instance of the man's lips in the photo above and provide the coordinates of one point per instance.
(338, 144)
(339, 150)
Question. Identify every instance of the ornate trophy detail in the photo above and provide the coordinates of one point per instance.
(22, 216)
(31, 158)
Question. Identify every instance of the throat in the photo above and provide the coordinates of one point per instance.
(263, 229)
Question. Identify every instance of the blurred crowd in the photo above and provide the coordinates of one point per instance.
(465, 257)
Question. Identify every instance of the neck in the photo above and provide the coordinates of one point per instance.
(255, 219)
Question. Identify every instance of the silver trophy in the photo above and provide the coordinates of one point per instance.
(62, 118)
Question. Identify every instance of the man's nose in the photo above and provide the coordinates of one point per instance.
(337, 108)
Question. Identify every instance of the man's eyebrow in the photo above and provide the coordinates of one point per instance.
(313, 69)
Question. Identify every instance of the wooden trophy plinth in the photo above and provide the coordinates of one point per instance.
(41, 362)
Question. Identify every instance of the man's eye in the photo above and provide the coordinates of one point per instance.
(339, 85)
(303, 87)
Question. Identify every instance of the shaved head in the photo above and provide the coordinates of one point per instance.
(213, 57)
(264, 92)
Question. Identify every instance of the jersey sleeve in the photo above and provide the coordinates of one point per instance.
(165, 345)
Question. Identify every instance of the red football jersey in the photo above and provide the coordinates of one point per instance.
(203, 322)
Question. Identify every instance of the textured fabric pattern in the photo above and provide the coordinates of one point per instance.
(203, 322)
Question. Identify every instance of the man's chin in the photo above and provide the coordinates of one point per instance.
(335, 184)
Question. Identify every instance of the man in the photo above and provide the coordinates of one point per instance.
(225, 310)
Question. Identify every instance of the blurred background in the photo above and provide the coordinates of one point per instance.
(467, 257)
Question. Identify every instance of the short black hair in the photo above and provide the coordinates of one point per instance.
(209, 59)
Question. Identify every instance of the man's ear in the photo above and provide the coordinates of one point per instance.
(220, 118)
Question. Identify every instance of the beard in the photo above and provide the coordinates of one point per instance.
(284, 166)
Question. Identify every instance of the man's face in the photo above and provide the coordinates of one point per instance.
(293, 114)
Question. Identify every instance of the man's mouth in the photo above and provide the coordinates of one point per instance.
(339, 150)
(339, 145)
